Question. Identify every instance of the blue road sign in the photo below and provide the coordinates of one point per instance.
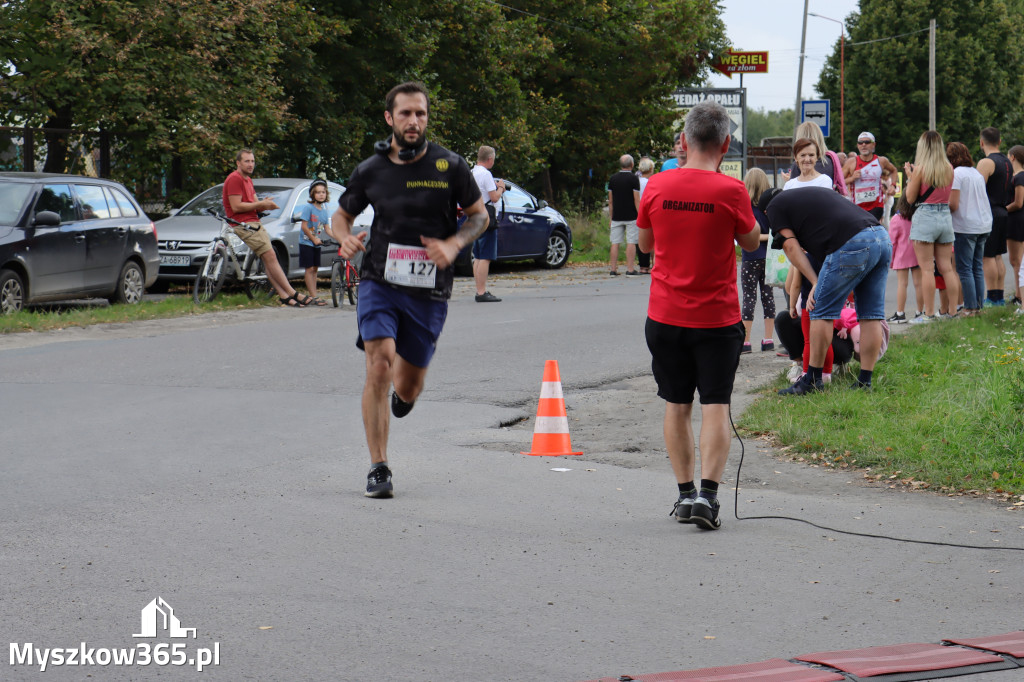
(816, 110)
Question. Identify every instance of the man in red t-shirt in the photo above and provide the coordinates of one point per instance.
(691, 218)
(241, 204)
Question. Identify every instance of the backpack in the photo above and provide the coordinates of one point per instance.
(838, 181)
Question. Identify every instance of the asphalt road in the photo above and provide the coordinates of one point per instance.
(218, 463)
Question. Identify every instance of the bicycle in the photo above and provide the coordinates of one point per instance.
(344, 280)
(223, 257)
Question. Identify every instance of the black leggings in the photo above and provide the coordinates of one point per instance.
(752, 277)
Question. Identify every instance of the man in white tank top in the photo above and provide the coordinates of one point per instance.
(870, 176)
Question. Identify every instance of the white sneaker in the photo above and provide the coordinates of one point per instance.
(795, 372)
(923, 319)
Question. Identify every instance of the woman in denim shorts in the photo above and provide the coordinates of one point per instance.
(931, 229)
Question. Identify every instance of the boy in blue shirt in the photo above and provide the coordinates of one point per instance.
(314, 220)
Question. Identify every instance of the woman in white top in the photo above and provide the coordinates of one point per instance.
(806, 153)
(972, 224)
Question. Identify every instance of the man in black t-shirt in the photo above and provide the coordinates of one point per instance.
(623, 202)
(854, 251)
(415, 188)
(998, 173)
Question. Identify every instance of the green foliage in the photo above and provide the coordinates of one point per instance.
(558, 88)
(979, 59)
(761, 124)
(193, 79)
(945, 410)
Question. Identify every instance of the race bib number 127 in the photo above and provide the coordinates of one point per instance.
(409, 266)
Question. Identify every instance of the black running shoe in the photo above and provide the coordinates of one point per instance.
(704, 513)
(682, 510)
(803, 386)
(378, 482)
(399, 407)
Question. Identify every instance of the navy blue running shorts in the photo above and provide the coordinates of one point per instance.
(386, 312)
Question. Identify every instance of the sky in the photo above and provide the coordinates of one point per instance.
(753, 29)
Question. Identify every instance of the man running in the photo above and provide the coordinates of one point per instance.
(406, 275)
(871, 176)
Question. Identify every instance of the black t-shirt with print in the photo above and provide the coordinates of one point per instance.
(821, 219)
(409, 201)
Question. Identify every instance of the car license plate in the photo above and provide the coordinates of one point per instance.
(175, 260)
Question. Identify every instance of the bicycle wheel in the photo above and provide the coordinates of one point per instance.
(257, 284)
(336, 283)
(351, 283)
(210, 278)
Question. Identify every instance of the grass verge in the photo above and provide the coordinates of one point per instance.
(45, 318)
(946, 412)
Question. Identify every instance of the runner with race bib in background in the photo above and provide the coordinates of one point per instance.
(869, 176)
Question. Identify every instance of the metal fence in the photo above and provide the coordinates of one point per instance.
(772, 160)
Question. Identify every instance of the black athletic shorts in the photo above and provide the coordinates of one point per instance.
(685, 359)
(995, 245)
(309, 256)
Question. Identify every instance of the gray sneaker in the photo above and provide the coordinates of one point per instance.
(923, 319)
(682, 510)
(705, 514)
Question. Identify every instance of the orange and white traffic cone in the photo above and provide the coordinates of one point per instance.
(551, 432)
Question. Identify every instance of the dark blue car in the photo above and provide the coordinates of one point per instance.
(528, 229)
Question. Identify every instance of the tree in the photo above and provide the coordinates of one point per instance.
(188, 79)
(615, 64)
(565, 85)
(978, 64)
(762, 124)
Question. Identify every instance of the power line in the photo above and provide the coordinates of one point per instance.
(537, 16)
(878, 40)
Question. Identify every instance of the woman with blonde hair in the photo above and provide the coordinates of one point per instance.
(752, 268)
(828, 164)
(931, 228)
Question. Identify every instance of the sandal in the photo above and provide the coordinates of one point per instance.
(305, 300)
(317, 301)
(293, 302)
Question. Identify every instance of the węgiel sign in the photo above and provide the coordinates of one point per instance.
(741, 62)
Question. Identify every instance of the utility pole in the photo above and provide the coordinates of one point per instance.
(800, 75)
(931, 74)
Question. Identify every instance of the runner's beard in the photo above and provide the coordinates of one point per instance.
(404, 143)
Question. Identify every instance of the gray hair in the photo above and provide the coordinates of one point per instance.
(707, 126)
(625, 161)
(485, 153)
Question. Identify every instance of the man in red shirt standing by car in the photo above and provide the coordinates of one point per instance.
(241, 204)
(691, 218)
